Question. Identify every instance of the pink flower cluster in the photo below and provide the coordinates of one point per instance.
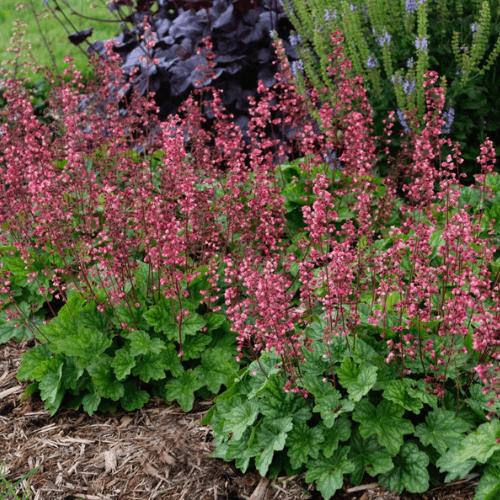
(82, 194)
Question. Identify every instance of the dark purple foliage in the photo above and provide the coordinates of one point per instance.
(242, 44)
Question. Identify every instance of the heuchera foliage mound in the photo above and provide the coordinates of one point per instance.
(365, 324)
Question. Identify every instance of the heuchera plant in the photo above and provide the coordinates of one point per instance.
(366, 307)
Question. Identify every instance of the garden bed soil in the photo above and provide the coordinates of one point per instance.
(157, 452)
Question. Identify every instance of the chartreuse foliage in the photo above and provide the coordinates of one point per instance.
(393, 43)
(86, 358)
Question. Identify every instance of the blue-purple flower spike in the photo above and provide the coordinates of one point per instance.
(371, 62)
(403, 121)
(448, 116)
(411, 6)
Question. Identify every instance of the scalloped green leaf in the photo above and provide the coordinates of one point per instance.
(442, 429)
(328, 473)
(133, 399)
(397, 392)
(357, 379)
(385, 421)
(142, 343)
(183, 388)
(105, 380)
(71, 373)
(193, 346)
(87, 345)
(35, 363)
(271, 436)
(239, 417)
(276, 403)
(332, 407)
(410, 471)
(216, 367)
(161, 318)
(488, 487)
(25, 330)
(481, 443)
(51, 389)
(368, 456)
(340, 431)
(91, 402)
(122, 363)
(303, 442)
(456, 469)
(416, 389)
(170, 360)
(214, 321)
(241, 451)
(150, 367)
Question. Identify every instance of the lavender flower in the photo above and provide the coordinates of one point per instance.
(297, 65)
(409, 87)
(353, 8)
(365, 10)
(295, 40)
(403, 121)
(422, 45)
(372, 62)
(410, 63)
(411, 6)
(448, 116)
(329, 158)
(385, 38)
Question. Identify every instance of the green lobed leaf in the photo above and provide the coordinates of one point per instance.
(142, 343)
(107, 385)
(35, 363)
(385, 421)
(303, 442)
(216, 367)
(170, 360)
(195, 345)
(397, 392)
(133, 399)
(161, 318)
(214, 320)
(241, 450)
(271, 436)
(150, 367)
(91, 402)
(183, 388)
(276, 403)
(71, 373)
(122, 363)
(410, 471)
(239, 417)
(328, 473)
(489, 484)
(340, 431)
(51, 390)
(481, 444)
(86, 345)
(368, 456)
(417, 389)
(443, 430)
(357, 379)
(8, 329)
(451, 463)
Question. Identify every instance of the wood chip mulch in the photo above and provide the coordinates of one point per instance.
(158, 452)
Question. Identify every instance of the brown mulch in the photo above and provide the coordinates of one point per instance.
(158, 452)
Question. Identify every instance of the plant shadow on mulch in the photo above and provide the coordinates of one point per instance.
(157, 452)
